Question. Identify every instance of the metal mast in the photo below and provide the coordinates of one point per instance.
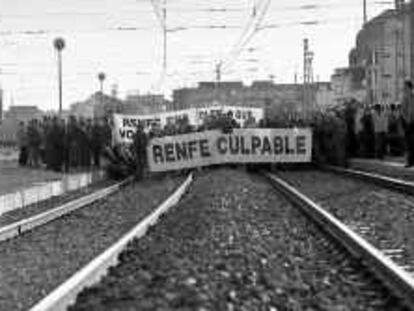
(307, 77)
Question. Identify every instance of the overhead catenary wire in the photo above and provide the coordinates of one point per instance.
(247, 35)
(211, 10)
(247, 28)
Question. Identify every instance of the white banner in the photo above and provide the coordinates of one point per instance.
(125, 125)
(240, 114)
(242, 146)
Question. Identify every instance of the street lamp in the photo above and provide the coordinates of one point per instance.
(59, 45)
(101, 78)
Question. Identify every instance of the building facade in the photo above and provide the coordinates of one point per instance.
(101, 105)
(274, 98)
(144, 104)
(23, 113)
(349, 83)
(1, 105)
(383, 48)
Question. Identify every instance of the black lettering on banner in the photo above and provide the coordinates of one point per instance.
(244, 150)
(126, 133)
(222, 148)
(125, 122)
(267, 148)
(256, 143)
(157, 153)
(169, 152)
(181, 150)
(192, 148)
(204, 151)
(234, 144)
(278, 145)
(288, 150)
(301, 144)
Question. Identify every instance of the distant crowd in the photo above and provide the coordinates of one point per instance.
(375, 132)
(350, 130)
(61, 146)
(379, 131)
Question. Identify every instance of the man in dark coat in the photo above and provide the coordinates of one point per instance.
(140, 147)
(55, 145)
(22, 142)
(34, 140)
(228, 123)
(97, 142)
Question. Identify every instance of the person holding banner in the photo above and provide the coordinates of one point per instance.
(140, 142)
(228, 123)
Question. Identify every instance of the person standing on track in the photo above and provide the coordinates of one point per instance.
(34, 141)
(22, 142)
(380, 121)
(97, 142)
(408, 121)
(140, 148)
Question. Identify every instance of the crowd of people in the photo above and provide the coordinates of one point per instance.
(381, 130)
(351, 130)
(61, 146)
(375, 131)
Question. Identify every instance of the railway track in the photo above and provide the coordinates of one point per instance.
(36, 261)
(234, 243)
(403, 186)
(378, 209)
(397, 279)
(397, 253)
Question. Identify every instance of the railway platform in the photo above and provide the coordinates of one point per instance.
(8, 154)
(20, 187)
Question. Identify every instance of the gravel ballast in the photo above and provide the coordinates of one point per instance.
(387, 216)
(233, 243)
(34, 264)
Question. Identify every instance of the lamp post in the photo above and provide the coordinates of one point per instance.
(59, 45)
(101, 78)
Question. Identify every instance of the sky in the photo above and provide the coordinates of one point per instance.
(124, 39)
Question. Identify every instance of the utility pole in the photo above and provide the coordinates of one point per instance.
(218, 73)
(164, 13)
(411, 43)
(1, 104)
(218, 80)
(400, 58)
(307, 77)
(365, 11)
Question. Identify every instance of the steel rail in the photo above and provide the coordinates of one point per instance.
(400, 283)
(399, 185)
(65, 295)
(16, 229)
